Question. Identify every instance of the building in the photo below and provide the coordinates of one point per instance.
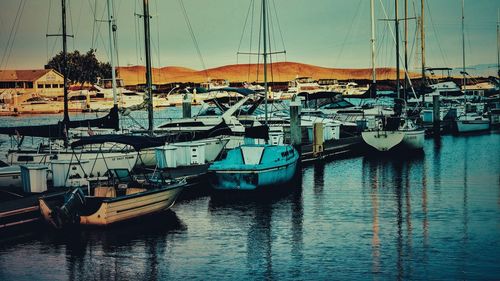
(45, 82)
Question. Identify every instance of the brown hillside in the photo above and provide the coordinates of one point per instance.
(280, 71)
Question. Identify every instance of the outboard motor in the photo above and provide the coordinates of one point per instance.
(68, 213)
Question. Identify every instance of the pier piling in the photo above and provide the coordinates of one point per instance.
(295, 130)
(436, 118)
(318, 139)
(186, 107)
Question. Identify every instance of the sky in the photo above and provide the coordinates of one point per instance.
(330, 33)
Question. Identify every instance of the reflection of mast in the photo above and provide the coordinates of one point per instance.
(374, 67)
(375, 230)
(398, 186)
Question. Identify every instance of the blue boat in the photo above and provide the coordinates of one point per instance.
(254, 166)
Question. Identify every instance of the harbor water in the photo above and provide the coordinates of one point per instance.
(430, 215)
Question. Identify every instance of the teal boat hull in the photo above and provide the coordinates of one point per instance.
(231, 175)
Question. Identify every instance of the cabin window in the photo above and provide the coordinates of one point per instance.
(61, 85)
(55, 86)
(24, 158)
(29, 85)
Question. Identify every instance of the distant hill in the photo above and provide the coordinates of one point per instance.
(278, 72)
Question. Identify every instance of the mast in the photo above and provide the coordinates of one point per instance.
(406, 51)
(112, 50)
(422, 45)
(65, 64)
(265, 55)
(149, 82)
(397, 47)
(463, 47)
(374, 70)
(498, 42)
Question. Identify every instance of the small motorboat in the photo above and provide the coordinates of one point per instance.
(254, 166)
(122, 198)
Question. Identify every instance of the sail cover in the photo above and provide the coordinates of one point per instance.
(59, 130)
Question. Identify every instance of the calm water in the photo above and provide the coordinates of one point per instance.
(434, 215)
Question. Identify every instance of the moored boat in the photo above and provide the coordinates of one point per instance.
(254, 166)
(112, 203)
(472, 122)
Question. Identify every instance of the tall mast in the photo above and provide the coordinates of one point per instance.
(463, 47)
(265, 55)
(422, 39)
(374, 70)
(112, 50)
(65, 64)
(149, 82)
(498, 42)
(397, 47)
(406, 50)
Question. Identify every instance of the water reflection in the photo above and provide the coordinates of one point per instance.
(262, 213)
(122, 252)
(393, 174)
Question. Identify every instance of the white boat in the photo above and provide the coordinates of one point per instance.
(10, 176)
(414, 137)
(472, 122)
(383, 140)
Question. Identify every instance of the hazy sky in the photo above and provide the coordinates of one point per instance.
(331, 33)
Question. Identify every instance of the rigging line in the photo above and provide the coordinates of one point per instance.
(15, 33)
(47, 31)
(251, 39)
(443, 55)
(160, 73)
(11, 33)
(259, 46)
(347, 35)
(244, 25)
(78, 22)
(279, 25)
(270, 27)
(394, 41)
(193, 37)
(93, 23)
(242, 35)
(70, 21)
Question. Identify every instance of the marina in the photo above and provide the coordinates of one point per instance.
(431, 215)
(266, 169)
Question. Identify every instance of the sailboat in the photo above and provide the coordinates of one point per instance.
(254, 166)
(469, 121)
(59, 132)
(396, 130)
(123, 197)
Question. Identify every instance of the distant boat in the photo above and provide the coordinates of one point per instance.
(254, 166)
(472, 122)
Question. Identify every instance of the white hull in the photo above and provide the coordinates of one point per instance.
(414, 139)
(465, 126)
(383, 140)
(10, 176)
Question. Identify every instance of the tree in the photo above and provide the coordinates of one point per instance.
(82, 68)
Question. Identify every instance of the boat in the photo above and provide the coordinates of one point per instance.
(121, 199)
(254, 166)
(472, 122)
(385, 135)
(414, 136)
